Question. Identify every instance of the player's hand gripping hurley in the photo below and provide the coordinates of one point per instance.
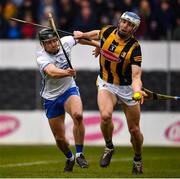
(150, 95)
(53, 26)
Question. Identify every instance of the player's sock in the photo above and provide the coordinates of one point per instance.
(109, 144)
(137, 157)
(79, 149)
(70, 156)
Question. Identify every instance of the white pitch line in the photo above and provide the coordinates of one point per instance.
(47, 162)
(28, 164)
(55, 161)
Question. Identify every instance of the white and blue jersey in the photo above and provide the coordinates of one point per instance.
(54, 87)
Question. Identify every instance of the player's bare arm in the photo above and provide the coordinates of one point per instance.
(136, 82)
(55, 72)
(93, 43)
(92, 35)
(78, 35)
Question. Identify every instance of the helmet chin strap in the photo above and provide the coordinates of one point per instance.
(124, 36)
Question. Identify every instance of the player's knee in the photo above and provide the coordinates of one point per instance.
(106, 118)
(78, 117)
(134, 131)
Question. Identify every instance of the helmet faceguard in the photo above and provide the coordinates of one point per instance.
(131, 17)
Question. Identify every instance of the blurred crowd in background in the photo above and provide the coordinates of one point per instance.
(160, 19)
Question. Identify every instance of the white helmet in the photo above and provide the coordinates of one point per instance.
(131, 17)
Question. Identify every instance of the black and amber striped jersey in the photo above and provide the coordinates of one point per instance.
(117, 56)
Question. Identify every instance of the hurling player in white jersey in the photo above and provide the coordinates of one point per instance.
(61, 94)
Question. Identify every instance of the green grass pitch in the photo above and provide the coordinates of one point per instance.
(48, 162)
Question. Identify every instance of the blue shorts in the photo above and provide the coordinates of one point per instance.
(55, 107)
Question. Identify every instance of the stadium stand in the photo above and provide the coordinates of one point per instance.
(158, 16)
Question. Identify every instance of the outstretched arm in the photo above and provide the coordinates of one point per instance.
(92, 35)
(90, 42)
(88, 38)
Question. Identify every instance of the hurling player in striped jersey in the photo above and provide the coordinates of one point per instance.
(118, 81)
